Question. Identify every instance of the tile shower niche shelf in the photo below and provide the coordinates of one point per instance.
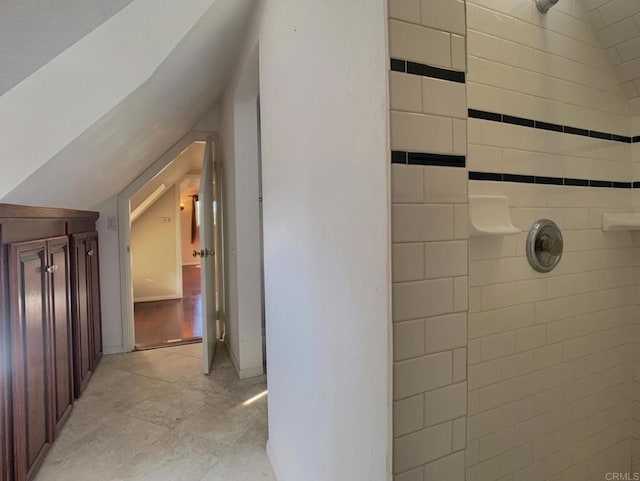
(621, 222)
(489, 215)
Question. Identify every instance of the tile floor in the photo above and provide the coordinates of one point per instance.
(152, 416)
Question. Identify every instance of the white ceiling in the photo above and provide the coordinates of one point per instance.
(108, 155)
(617, 26)
(32, 32)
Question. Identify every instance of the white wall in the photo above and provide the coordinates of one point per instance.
(156, 254)
(239, 135)
(109, 277)
(325, 151)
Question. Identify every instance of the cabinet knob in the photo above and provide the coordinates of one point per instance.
(51, 269)
(91, 252)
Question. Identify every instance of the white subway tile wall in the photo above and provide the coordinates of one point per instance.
(430, 245)
(635, 422)
(546, 67)
(502, 373)
(619, 34)
(551, 356)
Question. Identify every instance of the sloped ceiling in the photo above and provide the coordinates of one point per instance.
(109, 154)
(32, 32)
(617, 26)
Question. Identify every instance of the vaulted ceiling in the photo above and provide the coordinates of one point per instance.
(617, 26)
(82, 126)
(33, 32)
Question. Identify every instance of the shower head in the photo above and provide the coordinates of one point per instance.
(545, 5)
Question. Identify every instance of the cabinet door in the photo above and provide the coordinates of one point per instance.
(5, 443)
(60, 313)
(31, 375)
(83, 349)
(94, 294)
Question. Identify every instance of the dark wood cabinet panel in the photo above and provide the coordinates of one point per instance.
(94, 294)
(82, 329)
(6, 466)
(50, 328)
(60, 313)
(32, 377)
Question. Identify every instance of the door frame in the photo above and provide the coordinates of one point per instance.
(124, 226)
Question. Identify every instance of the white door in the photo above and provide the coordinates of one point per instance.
(207, 258)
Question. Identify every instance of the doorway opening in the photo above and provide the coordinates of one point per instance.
(166, 279)
(170, 251)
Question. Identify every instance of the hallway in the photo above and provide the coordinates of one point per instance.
(151, 415)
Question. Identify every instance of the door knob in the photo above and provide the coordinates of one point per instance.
(202, 253)
(51, 269)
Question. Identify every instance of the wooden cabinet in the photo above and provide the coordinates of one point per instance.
(61, 335)
(49, 328)
(6, 465)
(32, 379)
(93, 266)
(41, 346)
(87, 323)
(81, 314)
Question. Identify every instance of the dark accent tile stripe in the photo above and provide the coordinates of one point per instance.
(530, 179)
(538, 124)
(423, 158)
(576, 131)
(549, 126)
(485, 176)
(435, 72)
(398, 65)
(398, 157)
(549, 180)
(481, 114)
(576, 182)
(600, 135)
(600, 183)
(524, 179)
(419, 158)
(423, 70)
(509, 119)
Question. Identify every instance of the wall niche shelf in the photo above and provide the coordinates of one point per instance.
(621, 222)
(489, 216)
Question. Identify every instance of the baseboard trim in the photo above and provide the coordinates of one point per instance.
(244, 373)
(249, 373)
(275, 467)
(112, 350)
(156, 298)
